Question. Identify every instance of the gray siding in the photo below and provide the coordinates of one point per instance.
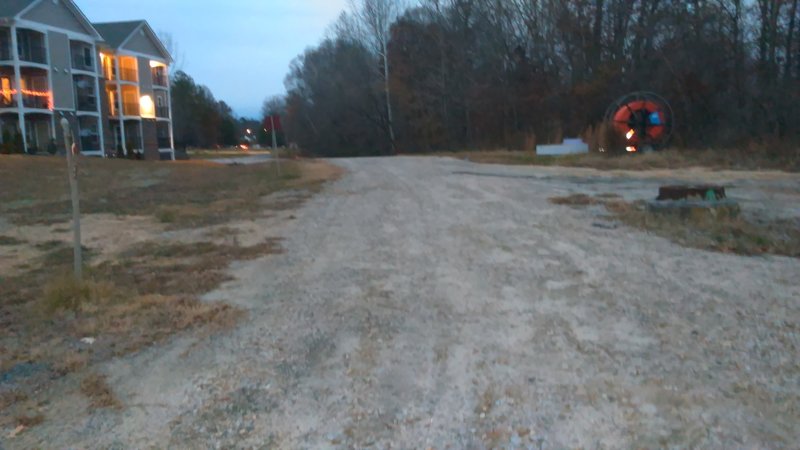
(150, 140)
(57, 15)
(140, 42)
(145, 77)
(63, 95)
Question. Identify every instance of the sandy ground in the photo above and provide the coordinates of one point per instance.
(434, 303)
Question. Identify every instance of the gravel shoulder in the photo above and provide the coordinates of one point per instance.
(430, 302)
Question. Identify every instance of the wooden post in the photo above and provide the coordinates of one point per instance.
(72, 174)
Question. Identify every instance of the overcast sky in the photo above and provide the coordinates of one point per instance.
(241, 49)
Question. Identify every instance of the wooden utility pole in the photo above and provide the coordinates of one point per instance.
(275, 144)
(72, 174)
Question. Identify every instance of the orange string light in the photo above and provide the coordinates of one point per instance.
(30, 93)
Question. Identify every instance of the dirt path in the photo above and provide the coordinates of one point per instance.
(433, 303)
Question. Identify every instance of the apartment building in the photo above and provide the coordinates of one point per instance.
(110, 80)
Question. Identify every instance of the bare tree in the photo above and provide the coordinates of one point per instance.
(372, 21)
(178, 57)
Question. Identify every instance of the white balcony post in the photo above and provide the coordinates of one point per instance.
(98, 106)
(169, 113)
(18, 86)
(120, 112)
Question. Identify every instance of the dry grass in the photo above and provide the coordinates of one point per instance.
(182, 194)
(96, 388)
(576, 200)
(752, 159)
(29, 421)
(148, 292)
(721, 232)
(736, 235)
(144, 296)
(7, 241)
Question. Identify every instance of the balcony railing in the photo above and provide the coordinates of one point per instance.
(33, 53)
(90, 143)
(79, 62)
(128, 75)
(162, 112)
(160, 79)
(35, 101)
(87, 103)
(130, 109)
(8, 101)
(164, 142)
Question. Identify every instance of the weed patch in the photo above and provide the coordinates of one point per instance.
(96, 388)
(8, 241)
(576, 200)
(724, 234)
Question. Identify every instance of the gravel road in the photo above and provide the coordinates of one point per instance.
(434, 303)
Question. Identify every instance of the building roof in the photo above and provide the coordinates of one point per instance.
(116, 33)
(10, 8)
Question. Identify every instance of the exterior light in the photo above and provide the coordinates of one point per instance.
(630, 134)
(631, 149)
(147, 107)
(154, 64)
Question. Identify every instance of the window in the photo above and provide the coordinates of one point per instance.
(159, 102)
(87, 56)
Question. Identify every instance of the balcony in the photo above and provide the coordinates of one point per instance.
(162, 112)
(130, 109)
(87, 103)
(31, 46)
(160, 80)
(82, 56)
(5, 44)
(85, 93)
(36, 101)
(90, 143)
(164, 142)
(79, 62)
(8, 94)
(8, 100)
(33, 53)
(128, 75)
(160, 77)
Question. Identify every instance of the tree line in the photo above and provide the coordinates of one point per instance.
(456, 74)
(198, 119)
